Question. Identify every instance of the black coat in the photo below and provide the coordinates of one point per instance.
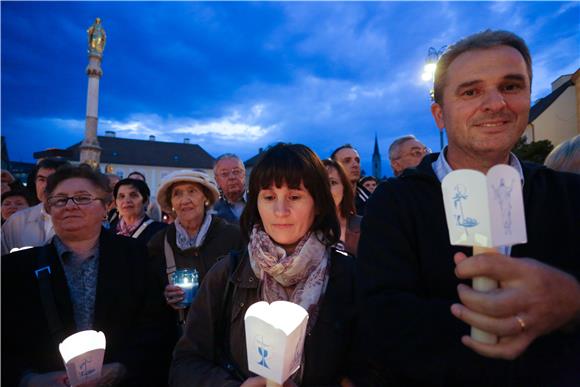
(129, 310)
(327, 349)
(221, 238)
(406, 270)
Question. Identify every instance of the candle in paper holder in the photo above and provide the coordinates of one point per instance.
(485, 212)
(83, 355)
(275, 339)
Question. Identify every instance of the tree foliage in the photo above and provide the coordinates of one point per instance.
(535, 151)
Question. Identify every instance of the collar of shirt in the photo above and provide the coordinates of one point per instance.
(243, 199)
(67, 256)
(442, 168)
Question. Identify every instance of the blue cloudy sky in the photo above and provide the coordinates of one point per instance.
(238, 76)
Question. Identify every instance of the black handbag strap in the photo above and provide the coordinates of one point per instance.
(43, 274)
(223, 354)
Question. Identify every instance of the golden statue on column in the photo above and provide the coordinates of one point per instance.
(90, 148)
(97, 38)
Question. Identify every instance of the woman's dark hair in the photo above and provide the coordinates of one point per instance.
(83, 171)
(346, 206)
(17, 192)
(137, 173)
(139, 185)
(292, 164)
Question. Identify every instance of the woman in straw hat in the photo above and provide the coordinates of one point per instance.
(196, 239)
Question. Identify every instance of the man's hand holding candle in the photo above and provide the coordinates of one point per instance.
(533, 299)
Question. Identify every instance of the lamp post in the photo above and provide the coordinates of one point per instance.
(433, 56)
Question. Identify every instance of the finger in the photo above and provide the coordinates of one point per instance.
(176, 293)
(507, 348)
(459, 257)
(497, 303)
(170, 288)
(497, 266)
(507, 326)
(172, 300)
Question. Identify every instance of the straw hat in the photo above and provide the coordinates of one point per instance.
(185, 176)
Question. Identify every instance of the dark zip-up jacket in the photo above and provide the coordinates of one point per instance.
(406, 272)
(327, 348)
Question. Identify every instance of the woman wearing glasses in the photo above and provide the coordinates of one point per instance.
(85, 278)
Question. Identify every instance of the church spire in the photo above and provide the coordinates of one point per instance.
(377, 160)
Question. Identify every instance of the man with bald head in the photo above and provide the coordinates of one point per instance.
(406, 152)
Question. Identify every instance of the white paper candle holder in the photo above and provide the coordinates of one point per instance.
(83, 355)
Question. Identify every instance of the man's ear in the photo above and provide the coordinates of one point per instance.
(395, 165)
(437, 112)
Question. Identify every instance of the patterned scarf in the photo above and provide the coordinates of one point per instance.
(128, 229)
(304, 271)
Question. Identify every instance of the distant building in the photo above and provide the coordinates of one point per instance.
(377, 160)
(556, 117)
(251, 162)
(155, 159)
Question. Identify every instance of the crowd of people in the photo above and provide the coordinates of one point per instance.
(390, 300)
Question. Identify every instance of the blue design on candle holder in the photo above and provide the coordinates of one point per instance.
(188, 281)
(85, 372)
(462, 220)
(263, 352)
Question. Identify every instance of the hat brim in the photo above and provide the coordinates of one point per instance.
(162, 192)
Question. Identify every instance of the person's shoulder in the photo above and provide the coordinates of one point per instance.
(341, 257)
(537, 174)
(225, 266)
(23, 216)
(156, 226)
(19, 260)
(118, 241)
(223, 226)
(159, 235)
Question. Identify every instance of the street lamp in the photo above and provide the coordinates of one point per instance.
(433, 56)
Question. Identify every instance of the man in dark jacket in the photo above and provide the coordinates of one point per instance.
(417, 300)
(348, 156)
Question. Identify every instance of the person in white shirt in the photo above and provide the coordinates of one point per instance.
(32, 227)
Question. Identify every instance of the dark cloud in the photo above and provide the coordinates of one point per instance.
(226, 73)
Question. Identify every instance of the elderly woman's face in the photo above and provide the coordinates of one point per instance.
(287, 214)
(130, 202)
(77, 209)
(188, 201)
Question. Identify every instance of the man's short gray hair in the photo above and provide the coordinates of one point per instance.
(480, 40)
(394, 148)
(227, 156)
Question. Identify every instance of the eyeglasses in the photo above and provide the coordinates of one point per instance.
(233, 172)
(417, 152)
(79, 200)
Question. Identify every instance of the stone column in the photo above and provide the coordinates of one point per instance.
(90, 149)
